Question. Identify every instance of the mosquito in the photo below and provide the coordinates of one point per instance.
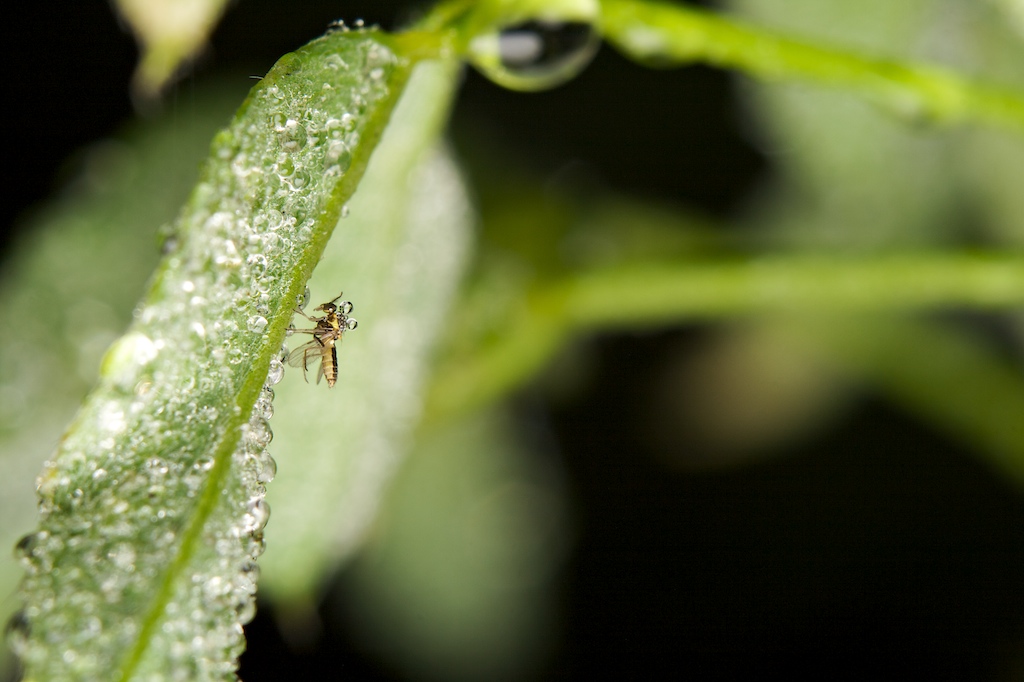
(326, 335)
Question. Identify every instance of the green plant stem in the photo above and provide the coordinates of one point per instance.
(673, 34)
(628, 298)
(639, 296)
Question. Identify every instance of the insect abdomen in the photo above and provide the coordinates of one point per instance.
(330, 366)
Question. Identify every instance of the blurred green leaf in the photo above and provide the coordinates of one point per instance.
(170, 33)
(454, 582)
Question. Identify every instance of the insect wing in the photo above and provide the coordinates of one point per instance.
(311, 350)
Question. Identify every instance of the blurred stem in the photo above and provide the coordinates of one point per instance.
(663, 34)
(627, 298)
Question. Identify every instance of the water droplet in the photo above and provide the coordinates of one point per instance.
(300, 179)
(157, 466)
(168, 237)
(111, 418)
(256, 516)
(257, 545)
(16, 633)
(246, 611)
(265, 403)
(257, 323)
(276, 372)
(268, 467)
(294, 135)
(123, 556)
(285, 167)
(303, 299)
(338, 155)
(344, 211)
(275, 219)
(129, 354)
(25, 547)
(335, 62)
(277, 120)
(260, 434)
(257, 263)
(228, 257)
(250, 575)
(537, 54)
(351, 323)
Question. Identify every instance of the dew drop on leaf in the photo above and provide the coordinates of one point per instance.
(257, 515)
(260, 434)
(246, 611)
(268, 467)
(265, 403)
(25, 549)
(256, 324)
(16, 633)
(256, 545)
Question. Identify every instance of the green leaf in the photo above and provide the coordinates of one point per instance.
(123, 190)
(152, 507)
(399, 260)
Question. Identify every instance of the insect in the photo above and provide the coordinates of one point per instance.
(326, 335)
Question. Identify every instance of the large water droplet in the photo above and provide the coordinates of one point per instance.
(536, 54)
(265, 403)
(268, 467)
(256, 324)
(256, 545)
(245, 611)
(16, 633)
(25, 549)
(256, 516)
(276, 372)
(338, 155)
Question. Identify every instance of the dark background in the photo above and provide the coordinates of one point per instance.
(877, 550)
